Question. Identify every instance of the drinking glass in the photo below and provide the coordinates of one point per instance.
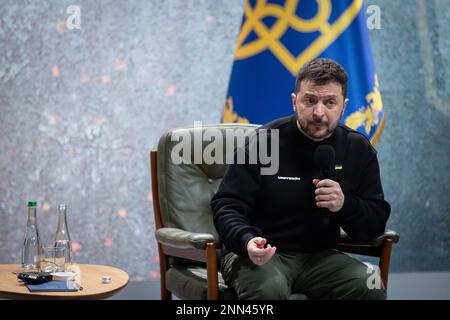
(52, 259)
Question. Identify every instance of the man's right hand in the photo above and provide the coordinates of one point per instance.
(258, 253)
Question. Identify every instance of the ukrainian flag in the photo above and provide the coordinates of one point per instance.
(277, 37)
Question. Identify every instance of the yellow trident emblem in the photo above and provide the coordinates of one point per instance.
(286, 17)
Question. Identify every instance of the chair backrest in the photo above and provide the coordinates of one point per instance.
(185, 189)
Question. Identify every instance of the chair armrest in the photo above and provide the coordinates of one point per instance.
(182, 239)
(377, 242)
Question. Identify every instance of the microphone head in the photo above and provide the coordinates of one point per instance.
(324, 156)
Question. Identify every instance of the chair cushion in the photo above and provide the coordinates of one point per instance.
(189, 282)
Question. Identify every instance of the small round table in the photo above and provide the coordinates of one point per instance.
(90, 280)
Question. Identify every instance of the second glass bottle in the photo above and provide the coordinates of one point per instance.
(62, 236)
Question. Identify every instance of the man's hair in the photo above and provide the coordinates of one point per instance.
(322, 71)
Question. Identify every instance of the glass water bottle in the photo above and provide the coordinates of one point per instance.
(31, 248)
(62, 236)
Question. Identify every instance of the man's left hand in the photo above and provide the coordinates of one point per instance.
(329, 194)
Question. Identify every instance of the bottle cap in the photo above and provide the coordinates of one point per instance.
(32, 203)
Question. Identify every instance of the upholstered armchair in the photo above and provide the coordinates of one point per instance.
(188, 245)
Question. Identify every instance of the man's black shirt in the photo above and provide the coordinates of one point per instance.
(281, 207)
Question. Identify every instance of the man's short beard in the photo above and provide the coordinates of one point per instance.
(304, 127)
(328, 132)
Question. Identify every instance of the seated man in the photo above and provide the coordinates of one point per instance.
(274, 226)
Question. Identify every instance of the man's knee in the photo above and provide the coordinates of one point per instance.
(251, 282)
(274, 288)
(376, 294)
(374, 285)
(364, 289)
(367, 283)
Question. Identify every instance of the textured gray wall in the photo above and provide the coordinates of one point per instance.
(411, 54)
(80, 109)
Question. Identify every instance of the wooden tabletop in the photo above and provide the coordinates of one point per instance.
(90, 279)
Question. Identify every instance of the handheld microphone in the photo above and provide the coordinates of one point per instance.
(324, 158)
